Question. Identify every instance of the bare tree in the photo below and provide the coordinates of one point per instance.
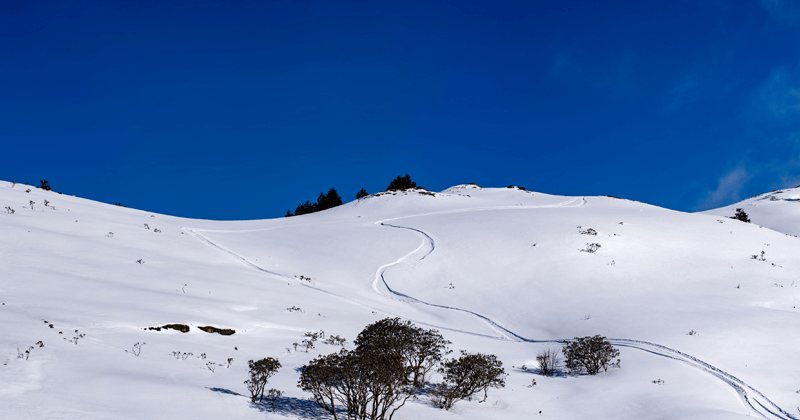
(548, 359)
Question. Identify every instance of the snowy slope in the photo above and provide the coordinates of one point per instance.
(778, 210)
(495, 270)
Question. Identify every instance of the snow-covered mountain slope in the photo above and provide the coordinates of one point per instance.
(778, 210)
(503, 271)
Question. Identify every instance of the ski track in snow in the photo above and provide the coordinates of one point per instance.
(753, 399)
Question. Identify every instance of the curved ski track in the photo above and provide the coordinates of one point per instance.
(757, 402)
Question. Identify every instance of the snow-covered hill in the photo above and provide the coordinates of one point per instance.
(778, 210)
(498, 270)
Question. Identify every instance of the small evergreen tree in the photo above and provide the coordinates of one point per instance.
(325, 201)
(305, 208)
(328, 201)
(45, 185)
(361, 194)
(741, 216)
(401, 183)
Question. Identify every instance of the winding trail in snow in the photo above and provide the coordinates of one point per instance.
(753, 399)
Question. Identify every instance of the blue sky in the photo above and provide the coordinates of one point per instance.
(242, 110)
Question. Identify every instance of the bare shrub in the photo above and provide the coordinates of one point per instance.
(137, 349)
(466, 376)
(592, 248)
(548, 359)
(260, 372)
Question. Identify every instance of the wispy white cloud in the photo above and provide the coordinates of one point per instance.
(786, 11)
(728, 190)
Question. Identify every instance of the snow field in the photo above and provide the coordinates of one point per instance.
(671, 274)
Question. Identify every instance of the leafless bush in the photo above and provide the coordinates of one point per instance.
(548, 360)
(146, 226)
(230, 361)
(260, 372)
(589, 231)
(758, 258)
(9, 210)
(137, 349)
(592, 248)
(295, 309)
(24, 354)
(211, 366)
(466, 376)
(77, 337)
(589, 354)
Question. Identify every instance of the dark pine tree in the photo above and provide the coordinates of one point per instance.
(401, 183)
(361, 194)
(305, 208)
(329, 200)
(45, 185)
(741, 215)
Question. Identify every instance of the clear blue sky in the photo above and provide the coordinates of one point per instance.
(242, 110)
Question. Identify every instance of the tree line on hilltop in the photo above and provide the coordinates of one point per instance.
(332, 199)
